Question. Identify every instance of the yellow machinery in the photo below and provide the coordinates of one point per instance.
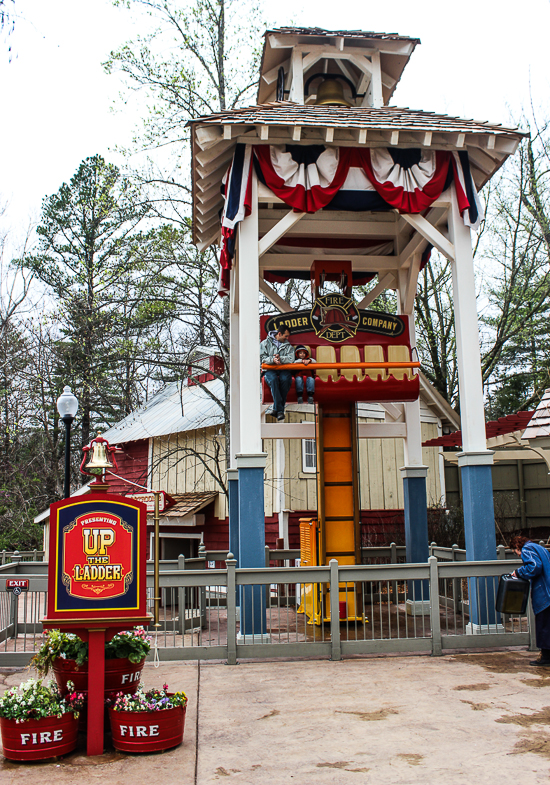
(336, 533)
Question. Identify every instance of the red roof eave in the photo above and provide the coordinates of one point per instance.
(500, 427)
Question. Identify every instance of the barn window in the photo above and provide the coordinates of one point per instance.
(309, 456)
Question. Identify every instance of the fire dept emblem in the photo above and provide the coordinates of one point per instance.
(335, 318)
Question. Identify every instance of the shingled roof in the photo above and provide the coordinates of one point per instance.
(287, 113)
(540, 422)
(214, 138)
(357, 34)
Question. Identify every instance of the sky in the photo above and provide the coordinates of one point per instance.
(486, 60)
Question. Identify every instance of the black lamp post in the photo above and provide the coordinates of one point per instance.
(67, 406)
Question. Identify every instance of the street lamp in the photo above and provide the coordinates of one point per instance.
(67, 406)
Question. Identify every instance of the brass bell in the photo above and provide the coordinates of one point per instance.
(99, 460)
(331, 93)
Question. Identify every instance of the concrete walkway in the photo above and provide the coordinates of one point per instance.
(458, 719)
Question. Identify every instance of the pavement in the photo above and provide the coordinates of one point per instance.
(457, 719)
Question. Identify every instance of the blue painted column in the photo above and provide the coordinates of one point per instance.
(479, 531)
(416, 534)
(233, 491)
(252, 543)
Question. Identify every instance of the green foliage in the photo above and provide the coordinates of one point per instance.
(133, 645)
(56, 644)
(108, 284)
(32, 700)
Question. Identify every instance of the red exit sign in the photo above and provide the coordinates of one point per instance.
(20, 584)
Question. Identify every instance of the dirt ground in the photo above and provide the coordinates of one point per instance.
(457, 719)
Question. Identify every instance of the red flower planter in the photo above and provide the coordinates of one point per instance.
(121, 675)
(39, 739)
(147, 731)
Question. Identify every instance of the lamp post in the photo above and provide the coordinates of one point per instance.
(67, 406)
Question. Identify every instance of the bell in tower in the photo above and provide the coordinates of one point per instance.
(369, 64)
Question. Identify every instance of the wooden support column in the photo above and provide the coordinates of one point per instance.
(250, 460)
(248, 276)
(475, 460)
(234, 414)
(414, 472)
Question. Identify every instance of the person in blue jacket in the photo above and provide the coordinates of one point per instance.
(536, 569)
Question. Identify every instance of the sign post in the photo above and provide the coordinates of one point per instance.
(97, 581)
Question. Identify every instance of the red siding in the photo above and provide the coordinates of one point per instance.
(132, 463)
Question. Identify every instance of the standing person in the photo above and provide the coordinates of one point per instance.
(303, 356)
(276, 350)
(536, 568)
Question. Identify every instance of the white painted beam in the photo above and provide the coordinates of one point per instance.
(271, 76)
(297, 78)
(376, 82)
(412, 280)
(417, 241)
(472, 412)
(290, 261)
(275, 298)
(386, 282)
(280, 229)
(266, 195)
(306, 430)
(395, 411)
(430, 233)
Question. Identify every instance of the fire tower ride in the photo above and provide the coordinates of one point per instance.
(324, 170)
(359, 355)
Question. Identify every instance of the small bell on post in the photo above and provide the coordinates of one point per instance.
(331, 93)
(98, 459)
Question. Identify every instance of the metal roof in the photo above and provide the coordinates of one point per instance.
(175, 409)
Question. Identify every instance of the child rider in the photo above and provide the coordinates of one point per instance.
(303, 356)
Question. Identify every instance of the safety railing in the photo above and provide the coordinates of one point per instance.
(7, 557)
(345, 366)
(330, 611)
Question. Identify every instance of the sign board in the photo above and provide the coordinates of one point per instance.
(97, 558)
(335, 318)
(165, 501)
(17, 585)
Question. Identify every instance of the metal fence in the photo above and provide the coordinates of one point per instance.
(7, 557)
(333, 611)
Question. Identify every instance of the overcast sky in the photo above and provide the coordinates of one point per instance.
(480, 59)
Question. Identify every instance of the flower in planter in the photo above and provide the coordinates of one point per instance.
(152, 700)
(33, 700)
(133, 645)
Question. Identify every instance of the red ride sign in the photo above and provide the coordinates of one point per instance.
(97, 556)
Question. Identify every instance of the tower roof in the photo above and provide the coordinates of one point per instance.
(395, 51)
(214, 138)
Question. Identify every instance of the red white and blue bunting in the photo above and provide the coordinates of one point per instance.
(312, 178)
